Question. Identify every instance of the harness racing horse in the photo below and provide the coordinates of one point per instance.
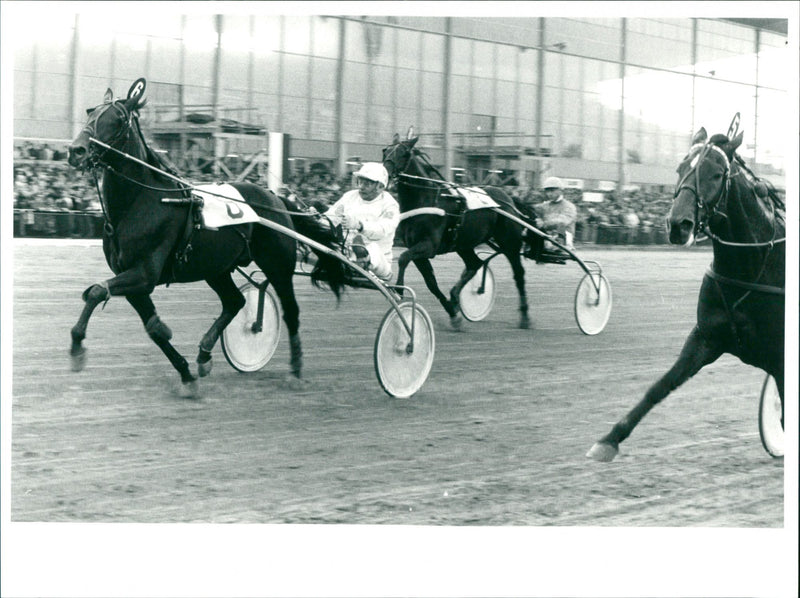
(429, 215)
(151, 238)
(740, 309)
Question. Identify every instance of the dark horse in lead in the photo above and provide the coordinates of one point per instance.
(148, 241)
(429, 215)
(740, 309)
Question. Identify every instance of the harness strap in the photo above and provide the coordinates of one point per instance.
(420, 211)
(750, 286)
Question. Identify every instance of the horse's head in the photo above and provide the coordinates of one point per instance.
(703, 181)
(109, 126)
(397, 156)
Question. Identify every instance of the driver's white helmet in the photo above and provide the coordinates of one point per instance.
(553, 182)
(374, 171)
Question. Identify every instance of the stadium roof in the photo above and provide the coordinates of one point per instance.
(775, 25)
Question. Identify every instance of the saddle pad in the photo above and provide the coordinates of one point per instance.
(223, 205)
(476, 198)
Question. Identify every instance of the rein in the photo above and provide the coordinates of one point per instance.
(185, 185)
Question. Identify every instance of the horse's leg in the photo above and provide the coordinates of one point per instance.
(519, 278)
(697, 352)
(161, 335)
(92, 297)
(426, 269)
(232, 301)
(472, 263)
(420, 254)
(138, 280)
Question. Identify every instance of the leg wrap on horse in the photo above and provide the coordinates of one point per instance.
(157, 330)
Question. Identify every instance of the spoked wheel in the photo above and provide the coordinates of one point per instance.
(592, 310)
(247, 346)
(403, 367)
(476, 299)
(770, 412)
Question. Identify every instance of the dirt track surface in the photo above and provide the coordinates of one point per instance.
(497, 435)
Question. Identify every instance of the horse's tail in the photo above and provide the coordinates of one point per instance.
(328, 271)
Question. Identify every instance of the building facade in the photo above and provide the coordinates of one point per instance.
(603, 102)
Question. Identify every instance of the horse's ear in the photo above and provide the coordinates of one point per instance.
(396, 138)
(700, 136)
(108, 97)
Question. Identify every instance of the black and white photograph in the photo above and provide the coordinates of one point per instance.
(399, 298)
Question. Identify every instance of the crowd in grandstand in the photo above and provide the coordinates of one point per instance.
(44, 183)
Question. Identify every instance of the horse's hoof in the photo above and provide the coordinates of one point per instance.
(293, 382)
(78, 360)
(204, 368)
(525, 323)
(603, 452)
(189, 390)
(455, 322)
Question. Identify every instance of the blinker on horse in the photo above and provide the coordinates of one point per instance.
(148, 241)
(740, 308)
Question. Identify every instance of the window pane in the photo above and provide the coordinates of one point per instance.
(433, 53)
(482, 96)
(660, 43)
(295, 77)
(407, 89)
(461, 57)
(408, 48)
(297, 34)
(323, 79)
(354, 122)
(295, 116)
(432, 90)
(506, 99)
(355, 82)
(483, 59)
(527, 101)
(594, 38)
(383, 86)
(507, 62)
(165, 59)
(323, 118)
(459, 94)
(326, 37)
(726, 51)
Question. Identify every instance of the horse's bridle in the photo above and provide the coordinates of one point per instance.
(97, 158)
(396, 169)
(705, 208)
(717, 205)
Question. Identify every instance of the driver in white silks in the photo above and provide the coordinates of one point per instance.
(371, 215)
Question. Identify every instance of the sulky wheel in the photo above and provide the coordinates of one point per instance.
(770, 414)
(403, 367)
(477, 297)
(592, 312)
(247, 346)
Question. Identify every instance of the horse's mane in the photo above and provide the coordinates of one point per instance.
(771, 193)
